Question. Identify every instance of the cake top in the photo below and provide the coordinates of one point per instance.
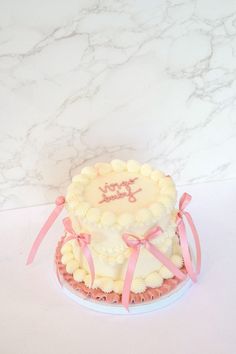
(121, 193)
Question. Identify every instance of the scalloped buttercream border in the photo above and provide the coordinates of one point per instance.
(79, 207)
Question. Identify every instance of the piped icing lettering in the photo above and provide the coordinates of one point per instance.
(113, 191)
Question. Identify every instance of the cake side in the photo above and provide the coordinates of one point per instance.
(110, 272)
(120, 195)
(107, 200)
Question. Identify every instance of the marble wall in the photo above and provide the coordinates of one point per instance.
(84, 81)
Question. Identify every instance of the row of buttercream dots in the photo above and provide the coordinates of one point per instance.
(107, 284)
(156, 211)
(112, 258)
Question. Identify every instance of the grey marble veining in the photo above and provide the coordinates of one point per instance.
(94, 80)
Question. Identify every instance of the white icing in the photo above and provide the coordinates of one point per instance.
(79, 275)
(76, 253)
(146, 170)
(107, 283)
(88, 280)
(107, 221)
(125, 219)
(93, 214)
(108, 218)
(118, 286)
(82, 209)
(154, 280)
(143, 215)
(118, 165)
(165, 273)
(154, 194)
(89, 171)
(177, 260)
(66, 248)
(103, 168)
(138, 285)
(67, 257)
(72, 265)
(156, 175)
(157, 210)
(168, 202)
(80, 179)
(133, 166)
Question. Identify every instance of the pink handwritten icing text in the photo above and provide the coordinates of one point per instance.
(113, 191)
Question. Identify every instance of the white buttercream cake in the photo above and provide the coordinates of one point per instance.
(107, 200)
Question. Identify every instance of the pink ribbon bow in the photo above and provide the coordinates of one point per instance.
(83, 240)
(60, 202)
(181, 230)
(135, 244)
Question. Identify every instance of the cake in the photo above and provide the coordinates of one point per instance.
(125, 241)
(127, 210)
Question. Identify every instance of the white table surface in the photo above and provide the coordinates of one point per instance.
(36, 317)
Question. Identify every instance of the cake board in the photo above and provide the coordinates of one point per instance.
(118, 309)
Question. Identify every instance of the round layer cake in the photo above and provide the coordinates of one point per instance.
(108, 200)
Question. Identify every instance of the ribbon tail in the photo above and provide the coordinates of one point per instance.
(166, 261)
(196, 240)
(185, 251)
(88, 256)
(42, 233)
(68, 225)
(129, 277)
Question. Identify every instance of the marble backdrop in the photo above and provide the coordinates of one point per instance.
(85, 81)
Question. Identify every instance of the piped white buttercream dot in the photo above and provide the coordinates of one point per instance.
(82, 209)
(177, 260)
(118, 286)
(118, 165)
(80, 179)
(172, 194)
(76, 252)
(93, 214)
(89, 171)
(87, 280)
(156, 175)
(138, 285)
(73, 201)
(163, 248)
(146, 170)
(154, 280)
(106, 284)
(108, 218)
(143, 215)
(78, 188)
(133, 166)
(96, 283)
(79, 275)
(165, 273)
(166, 182)
(168, 202)
(67, 257)
(125, 219)
(71, 266)
(66, 248)
(158, 210)
(103, 168)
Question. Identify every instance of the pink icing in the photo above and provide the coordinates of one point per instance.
(119, 190)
